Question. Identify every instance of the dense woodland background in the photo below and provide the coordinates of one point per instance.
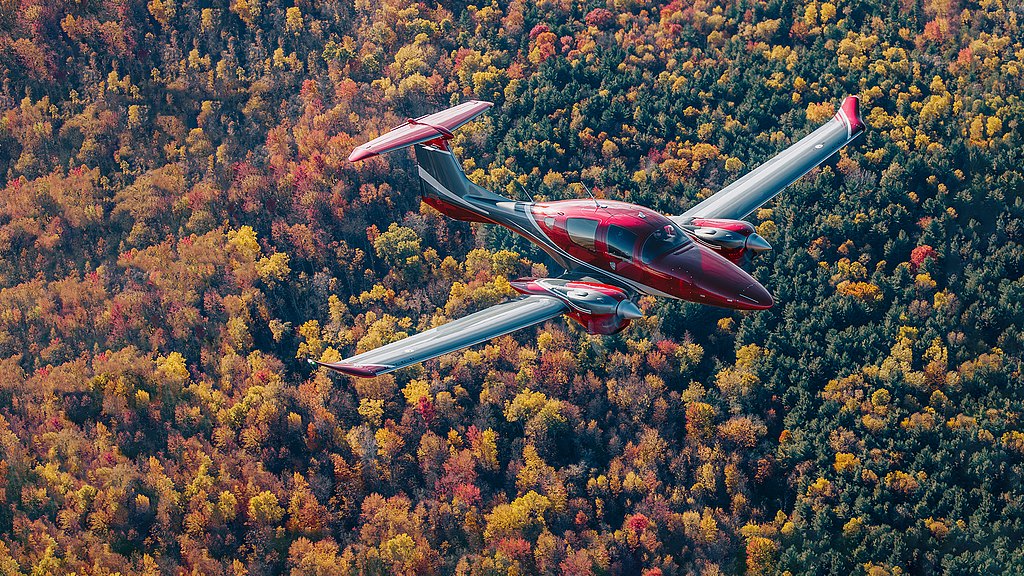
(180, 229)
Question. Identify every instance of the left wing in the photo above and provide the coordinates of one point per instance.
(473, 329)
(737, 200)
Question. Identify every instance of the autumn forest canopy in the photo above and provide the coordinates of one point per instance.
(180, 230)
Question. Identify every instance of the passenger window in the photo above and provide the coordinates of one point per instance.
(621, 241)
(582, 231)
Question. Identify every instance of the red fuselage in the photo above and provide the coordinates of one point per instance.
(632, 246)
(646, 250)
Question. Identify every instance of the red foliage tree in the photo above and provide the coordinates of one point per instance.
(920, 254)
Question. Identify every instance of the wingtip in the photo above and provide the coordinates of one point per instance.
(359, 370)
(850, 114)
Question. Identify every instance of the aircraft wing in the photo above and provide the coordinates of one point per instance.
(737, 200)
(473, 329)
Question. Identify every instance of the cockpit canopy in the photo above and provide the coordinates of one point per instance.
(628, 232)
(668, 238)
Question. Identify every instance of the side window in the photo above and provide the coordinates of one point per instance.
(582, 231)
(621, 241)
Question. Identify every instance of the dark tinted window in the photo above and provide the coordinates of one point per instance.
(621, 241)
(661, 241)
(582, 231)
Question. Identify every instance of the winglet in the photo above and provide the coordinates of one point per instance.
(360, 370)
(849, 114)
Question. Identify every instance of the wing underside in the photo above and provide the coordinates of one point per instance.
(467, 331)
(737, 200)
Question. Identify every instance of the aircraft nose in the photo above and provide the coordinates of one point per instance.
(719, 282)
(757, 297)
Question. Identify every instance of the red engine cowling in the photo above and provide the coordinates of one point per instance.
(600, 308)
(732, 238)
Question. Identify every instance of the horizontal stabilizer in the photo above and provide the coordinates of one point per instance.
(438, 125)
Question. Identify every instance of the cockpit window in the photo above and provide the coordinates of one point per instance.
(621, 241)
(661, 241)
(582, 231)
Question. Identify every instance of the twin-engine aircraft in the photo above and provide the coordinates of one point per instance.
(611, 251)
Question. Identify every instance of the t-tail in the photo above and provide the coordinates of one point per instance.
(444, 183)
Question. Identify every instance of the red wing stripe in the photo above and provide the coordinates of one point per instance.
(361, 370)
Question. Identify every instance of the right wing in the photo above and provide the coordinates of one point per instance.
(737, 200)
(473, 329)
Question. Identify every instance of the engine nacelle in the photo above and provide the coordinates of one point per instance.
(732, 238)
(600, 308)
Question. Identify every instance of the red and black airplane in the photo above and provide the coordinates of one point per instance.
(612, 251)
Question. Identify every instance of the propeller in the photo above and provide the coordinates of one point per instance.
(628, 310)
(757, 244)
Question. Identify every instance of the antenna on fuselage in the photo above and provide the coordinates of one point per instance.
(527, 191)
(592, 197)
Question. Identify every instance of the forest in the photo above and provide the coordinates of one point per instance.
(180, 231)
